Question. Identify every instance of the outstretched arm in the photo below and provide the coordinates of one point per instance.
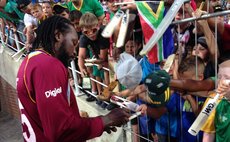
(152, 112)
(193, 85)
(81, 61)
(210, 39)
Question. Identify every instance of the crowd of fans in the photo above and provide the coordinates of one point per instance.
(191, 78)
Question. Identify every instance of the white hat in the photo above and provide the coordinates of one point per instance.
(128, 71)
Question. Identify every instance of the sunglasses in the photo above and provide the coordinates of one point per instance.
(92, 31)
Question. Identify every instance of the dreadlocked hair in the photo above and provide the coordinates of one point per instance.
(45, 33)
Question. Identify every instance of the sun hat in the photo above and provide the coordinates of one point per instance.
(128, 71)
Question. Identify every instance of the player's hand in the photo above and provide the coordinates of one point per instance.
(117, 117)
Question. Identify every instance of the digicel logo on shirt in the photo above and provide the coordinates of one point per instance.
(54, 92)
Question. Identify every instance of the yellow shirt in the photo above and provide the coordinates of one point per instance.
(209, 126)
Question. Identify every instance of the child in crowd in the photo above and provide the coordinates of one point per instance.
(92, 41)
(217, 126)
(206, 47)
(30, 24)
(61, 10)
(182, 33)
(131, 48)
(145, 126)
(92, 6)
(74, 17)
(36, 12)
(47, 8)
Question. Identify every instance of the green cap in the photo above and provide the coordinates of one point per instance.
(157, 86)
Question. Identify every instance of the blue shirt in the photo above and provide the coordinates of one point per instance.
(185, 118)
(168, 120)
(147, 124)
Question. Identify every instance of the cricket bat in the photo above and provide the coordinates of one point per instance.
(124, 103)
(109, 29)
(169, 62)
(163, 26)
(123, 30)
(204, 114)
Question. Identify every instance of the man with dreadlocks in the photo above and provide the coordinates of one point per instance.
(49, 110)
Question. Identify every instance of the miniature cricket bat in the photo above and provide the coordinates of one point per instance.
(123, 30)
(134, 115)
(204, 114)
(109, 29)
(163, 26)
(123, 103)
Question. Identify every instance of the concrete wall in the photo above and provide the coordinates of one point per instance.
(8, 67)
(8, 97)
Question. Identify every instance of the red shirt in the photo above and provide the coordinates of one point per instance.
(46, 113)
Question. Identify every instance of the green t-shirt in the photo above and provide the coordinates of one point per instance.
(92, 6)
(222, 121)
(11, 7)
(213, 78)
